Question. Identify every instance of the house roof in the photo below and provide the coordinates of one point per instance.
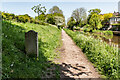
(115, 13)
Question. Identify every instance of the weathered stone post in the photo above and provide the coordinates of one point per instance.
(31, 43)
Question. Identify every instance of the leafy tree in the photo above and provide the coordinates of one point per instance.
(95, 21)
(50, 19)
(39, 9)
(105, 18)
(92, 11)
(41, 17)
(56, 16)
(59, 20)
(79, 15)
(71, 23)
(55, 9)
(23, 18)
(8, 16)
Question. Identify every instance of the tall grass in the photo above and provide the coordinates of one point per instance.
(15, 63)
(103, 56)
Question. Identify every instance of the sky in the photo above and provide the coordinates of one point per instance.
(24, 7)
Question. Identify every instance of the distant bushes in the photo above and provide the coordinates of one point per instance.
(42, 19)
(108, 32)
(55, 19)
(22, 18)
(104, 57)
(103, 32)
(8, 16)
(86, 30)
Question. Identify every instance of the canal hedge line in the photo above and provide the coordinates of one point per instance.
(103, 56)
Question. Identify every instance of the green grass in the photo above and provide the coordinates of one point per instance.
(103, 56)
(116, 24)
(15, 63)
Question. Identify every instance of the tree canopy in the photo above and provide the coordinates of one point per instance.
(79, 15)
(55, 9)
(95, 21)
(71, 23)
(92, 11)
(39, 9)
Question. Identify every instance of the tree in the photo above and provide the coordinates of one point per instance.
(79, 15)
(39, 9)
(71, 23)
(105, 19)
(55, 9)
(59, 20)
(41, 17)
(56, 15)
(95, 21)
(92, 11)
(50, 19)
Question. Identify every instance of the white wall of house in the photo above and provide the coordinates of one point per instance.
(112, 20)
(118, 19)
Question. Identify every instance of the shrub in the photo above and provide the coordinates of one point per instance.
(86, 30)
(108, 32)
(50, 19)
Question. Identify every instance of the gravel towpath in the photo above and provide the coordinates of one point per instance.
(73, 63)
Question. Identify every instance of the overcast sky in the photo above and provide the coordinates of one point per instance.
(24, 7)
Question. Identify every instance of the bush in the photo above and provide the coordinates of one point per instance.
(108, 32)
(50, 19)
(86, 30)
(87, 26)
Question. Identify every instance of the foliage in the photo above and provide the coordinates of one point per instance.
(103, 32)
(55, 9)
(104, 57)
(95, 21)
(41, 17)
(50, 19)
(105, 19)
(86, 30)
(79, 15)
(15, 63)
(56, 19)
(8, 16)
(39, 9)
(93, 11)
(108, 32)
(87, 26)
(59, 20)
(71, 23)
(58, 14)
(24, 18)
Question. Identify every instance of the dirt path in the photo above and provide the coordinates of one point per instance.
(74, 64)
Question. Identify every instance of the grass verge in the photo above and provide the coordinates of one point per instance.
(103, 56)
(15, 64)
